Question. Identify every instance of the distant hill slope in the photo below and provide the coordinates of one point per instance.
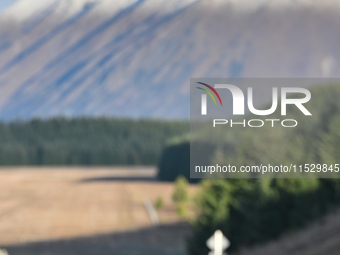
(135, 58)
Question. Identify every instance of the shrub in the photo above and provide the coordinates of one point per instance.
(159, 204)
(181, 193)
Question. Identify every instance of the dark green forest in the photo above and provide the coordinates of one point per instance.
(86, 141)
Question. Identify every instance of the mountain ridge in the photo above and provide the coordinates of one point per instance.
(136, 59)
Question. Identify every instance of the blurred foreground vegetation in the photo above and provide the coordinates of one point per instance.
(86, 141)
(253, 211)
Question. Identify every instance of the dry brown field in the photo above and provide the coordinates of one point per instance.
(58, 211)
(41, 204)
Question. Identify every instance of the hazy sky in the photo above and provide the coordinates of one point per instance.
(5, 3)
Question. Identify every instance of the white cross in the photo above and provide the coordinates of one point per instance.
(218, 243)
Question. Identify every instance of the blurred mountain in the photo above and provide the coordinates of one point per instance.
(135, 58)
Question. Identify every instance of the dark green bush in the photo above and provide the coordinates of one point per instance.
(254, 211)
(175, 161)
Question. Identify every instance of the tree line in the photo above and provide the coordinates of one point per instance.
(86, 141)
